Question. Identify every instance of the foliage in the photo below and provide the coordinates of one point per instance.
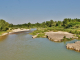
(68, 24)
(3, 25)
(66, 39)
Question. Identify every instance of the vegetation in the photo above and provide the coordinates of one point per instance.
(66, 39)
(41, 35)
(68, 24)
(3, 25)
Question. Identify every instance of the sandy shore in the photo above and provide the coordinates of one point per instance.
(4, 34)
(18, 30)
(14, 31)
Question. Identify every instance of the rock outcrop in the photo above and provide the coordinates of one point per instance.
(34, 36)
(58, 36)
(74, 46)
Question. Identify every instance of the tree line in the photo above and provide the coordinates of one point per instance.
(66, 23)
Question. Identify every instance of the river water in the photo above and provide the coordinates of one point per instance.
(21, 46)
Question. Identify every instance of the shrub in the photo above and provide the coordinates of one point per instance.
(64, 37)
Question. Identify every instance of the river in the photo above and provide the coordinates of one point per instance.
(21, 46)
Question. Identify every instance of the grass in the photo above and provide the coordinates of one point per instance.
(66, 39)
(2, 32)
(40, 32)
(41, 35)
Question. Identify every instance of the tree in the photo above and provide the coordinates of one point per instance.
(59, 23)
(38, 24)
(3, 25)
(51, 23)
(65, 22)
(11, 25)
(48, 23)
(43, 24)
(29, 24)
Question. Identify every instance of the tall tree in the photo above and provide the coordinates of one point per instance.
(29, 24)
(48, 23)
(51, 23)
(3, 25)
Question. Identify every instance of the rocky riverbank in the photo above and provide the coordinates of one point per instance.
(58, 36)
(74, 46)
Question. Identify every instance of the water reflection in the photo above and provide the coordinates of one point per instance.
(3, 37)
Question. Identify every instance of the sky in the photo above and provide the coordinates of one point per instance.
(24, 11)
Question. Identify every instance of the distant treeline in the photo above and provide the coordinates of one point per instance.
(66, 23)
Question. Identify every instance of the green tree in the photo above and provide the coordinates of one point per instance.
(3, 25)
(38, 24)
(65, 22)
(48, 23)
(59, 23)
(29, 24)
(51, 23)
(43, 24)
(10, 25)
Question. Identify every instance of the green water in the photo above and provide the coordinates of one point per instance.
(21, 46)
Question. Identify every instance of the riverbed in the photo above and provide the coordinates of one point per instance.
(21, 46)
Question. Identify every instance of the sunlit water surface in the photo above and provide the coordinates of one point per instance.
(21, 46)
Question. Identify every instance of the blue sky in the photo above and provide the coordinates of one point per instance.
(24, 11)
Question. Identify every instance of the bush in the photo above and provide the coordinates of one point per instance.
(64, 37)
(78, 36)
